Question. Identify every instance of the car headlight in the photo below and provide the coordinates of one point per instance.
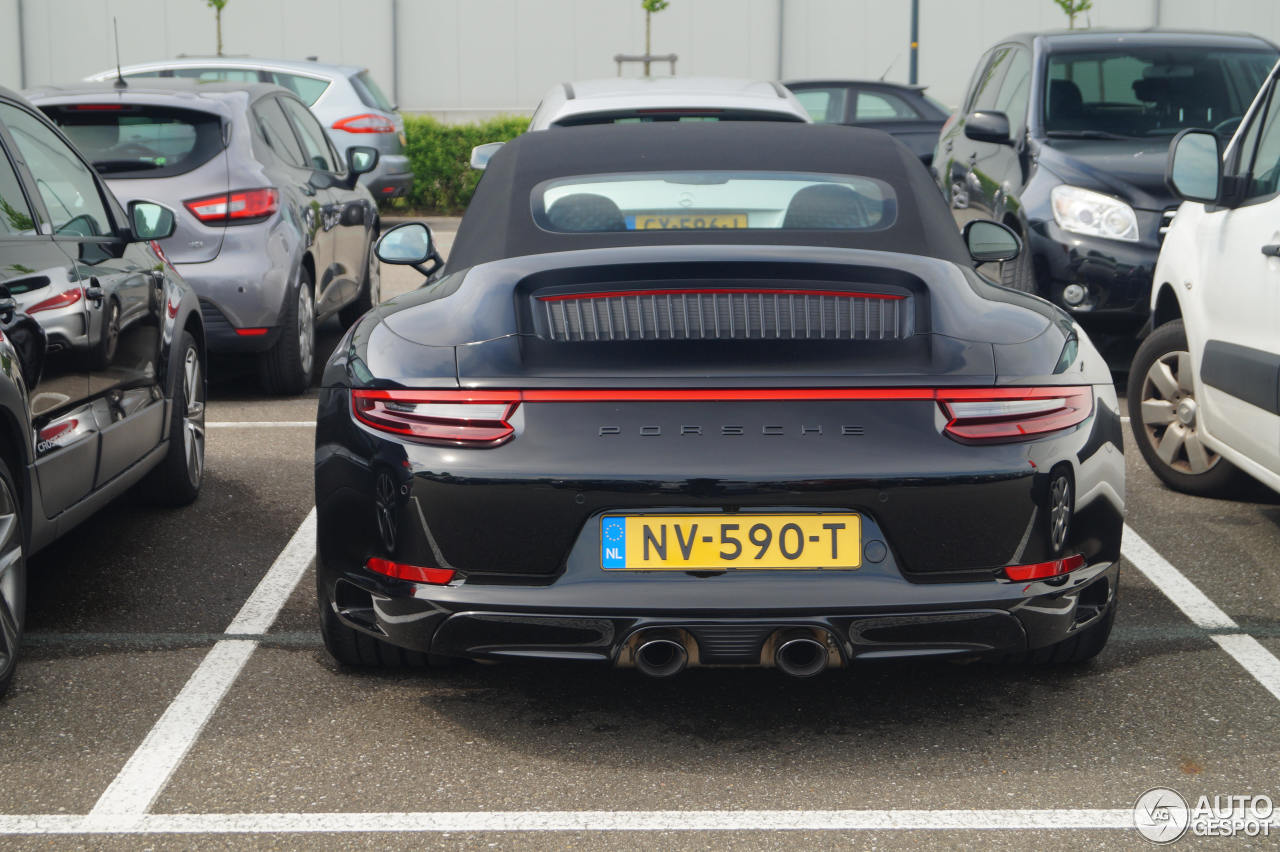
(1082, 211)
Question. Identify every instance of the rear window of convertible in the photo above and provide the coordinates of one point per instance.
(665, 201)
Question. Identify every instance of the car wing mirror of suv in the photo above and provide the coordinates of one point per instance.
(988, 126)
(150, 221)
(481, 154)
(1194, 170)
(361, 160)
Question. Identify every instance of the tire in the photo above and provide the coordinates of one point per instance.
(352, 647)
(285, 368)
(1018, 274)
(1161, 402)
(176, 480)
(1081, 647)
(13, 577)
(370, 292)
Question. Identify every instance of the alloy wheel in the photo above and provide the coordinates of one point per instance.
(193, 418)
(306, 329)
(1170, 415)
(12, 579)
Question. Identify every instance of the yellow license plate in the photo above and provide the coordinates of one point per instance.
(725, 542)
(679, 221)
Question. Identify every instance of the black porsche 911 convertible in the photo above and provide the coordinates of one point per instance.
(698, 394)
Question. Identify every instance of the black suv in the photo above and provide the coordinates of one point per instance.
(1064, 137)
(102, 357)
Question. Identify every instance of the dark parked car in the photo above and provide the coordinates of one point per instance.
(1064, 137)
(273, 231)
(900, 110)
(714, 394)
(102, 362)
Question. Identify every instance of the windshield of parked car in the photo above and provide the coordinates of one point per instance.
(1151, 91)
(664, 201)
(138, 140)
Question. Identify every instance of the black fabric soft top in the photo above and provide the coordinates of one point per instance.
(499, 222)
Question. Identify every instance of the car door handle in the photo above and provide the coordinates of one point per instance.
(93, 292)
(1271, 250)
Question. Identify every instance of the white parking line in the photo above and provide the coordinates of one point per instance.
(1204, 613)
(261, 424)
(148, 770)
(527, 821)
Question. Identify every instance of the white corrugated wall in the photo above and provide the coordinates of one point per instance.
(461, 58)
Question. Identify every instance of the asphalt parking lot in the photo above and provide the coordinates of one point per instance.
(174, 686)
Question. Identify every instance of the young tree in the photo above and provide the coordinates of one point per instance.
(650, 6)
(1071, 8)
(216, 6)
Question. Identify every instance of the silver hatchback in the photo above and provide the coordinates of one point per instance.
(349, 103)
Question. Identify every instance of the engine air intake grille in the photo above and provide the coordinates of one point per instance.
(723, 314)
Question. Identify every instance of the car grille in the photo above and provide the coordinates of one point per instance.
(1166, 221)
(723, 315)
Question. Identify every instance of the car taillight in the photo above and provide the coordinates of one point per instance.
(1044, 570)
(1013, 414)
(412, 573)
(365, 123)
(232, 208)
(62, 300)
(460, 419)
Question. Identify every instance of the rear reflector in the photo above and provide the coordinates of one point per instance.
(1044, 570)
(478, 419)
(251, 332)
(412, 573)
(1013, 414)
(233, 208)
(62, 300)
(365, 123)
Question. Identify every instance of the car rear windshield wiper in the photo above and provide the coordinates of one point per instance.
(105, 166)
(1085, 134)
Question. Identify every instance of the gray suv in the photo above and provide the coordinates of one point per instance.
(272, 230)
(346, 99)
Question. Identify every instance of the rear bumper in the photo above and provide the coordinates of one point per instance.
(392, 177)
(497, 622)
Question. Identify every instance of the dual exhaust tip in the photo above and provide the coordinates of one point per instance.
(797, 653)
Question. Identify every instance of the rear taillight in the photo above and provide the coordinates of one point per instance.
(412, 573)
(479, 419)
(234, 208)
(1013, 414)
(62, 300)
(1044, 570)
(365, 123)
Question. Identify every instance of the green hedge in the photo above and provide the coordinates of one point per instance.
(440, 156)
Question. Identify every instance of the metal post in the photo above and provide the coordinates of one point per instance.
(915, 40)
(782, 18)
(22, 50)
(395, 52)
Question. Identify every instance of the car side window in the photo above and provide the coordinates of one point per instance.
(206, 75)
(825, 106)
(276, 130)
(1015, 91)
(876, 106)
(1264, 159)
(308, 88)
(16, 219)
(67, 186)
(988, 86)
(315, 144)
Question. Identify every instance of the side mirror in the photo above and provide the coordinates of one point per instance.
(989, 242)
(482, 154)
(408, 244)
(988, 127)
(151, 221)
(1194, 171)
(361, 159)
